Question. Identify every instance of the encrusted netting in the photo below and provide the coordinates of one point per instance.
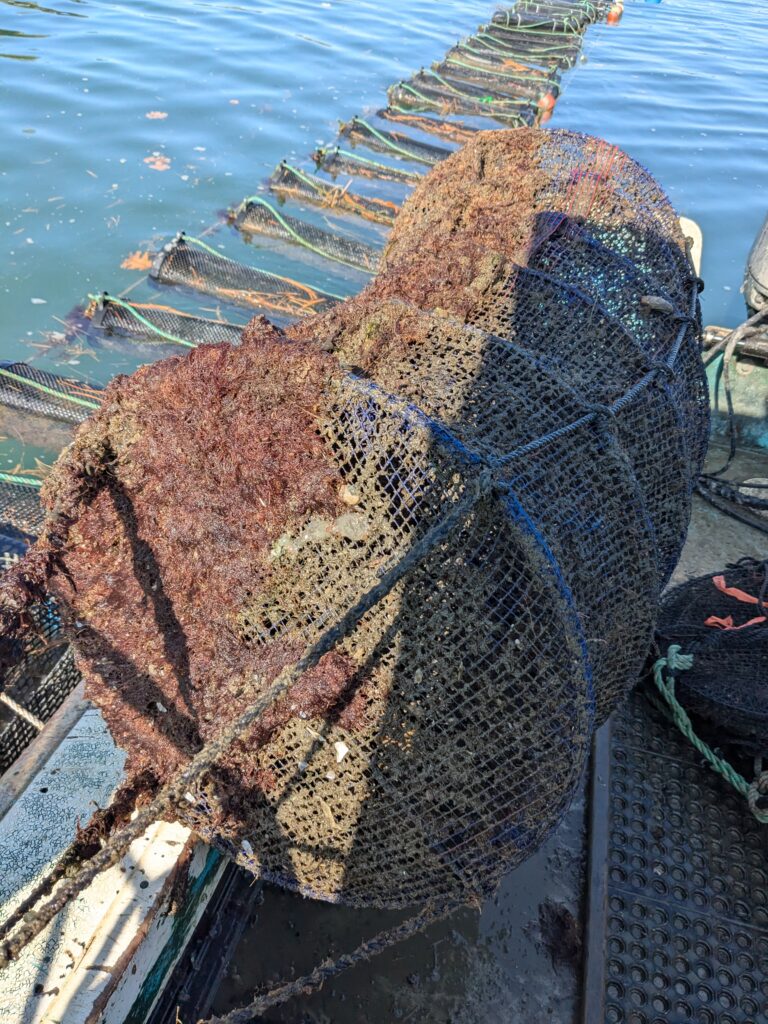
(544, 20)
(722, 620)
(152, 323)
(45, 394)
(426, 91)
(338, 161)
(291, 181)
(256, 216)
(477, 55)
(463, 489)
(397, 144)
(189, 263)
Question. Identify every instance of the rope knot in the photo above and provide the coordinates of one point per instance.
(664, 369)
(677, 662)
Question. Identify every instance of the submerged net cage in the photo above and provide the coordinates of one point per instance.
(151, 323)
(336, 161)
(496, 81)
(453, 131)
(396, 144)
(426, 542)
(423, 91)
(546, 21)
(46, 394)
(721, 619)
(291, 181)
(257, 216)
(190, 263)
(545, 51)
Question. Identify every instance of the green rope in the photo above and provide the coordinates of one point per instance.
(432, 103)
(387, 142)
(675, 661)
(143, 320)
(23, 481)
(411, 175)
(314, 185)
(514, 76)
(29, 382)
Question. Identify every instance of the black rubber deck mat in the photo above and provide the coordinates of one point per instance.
(519, 49)
(454, 131)
(151, 322)
(397, 144)
(336, 161)
(46, 394)
(499, 81)
(291, 181)
(678, 901)
(191, 263)
(257, 216)
(416, 94)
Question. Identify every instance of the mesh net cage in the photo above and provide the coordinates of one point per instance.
(722, 620)
(337, 161)
(548, 51)
(151, 323)
(494, 81)
(453, 131)
(48, 395)
(291, 181)
(428, 91)
(398, 144)
(190, 263)
(257, 216)
(20, 509)
(495, 461)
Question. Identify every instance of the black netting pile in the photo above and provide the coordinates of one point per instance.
(192, 264)
(722, 620)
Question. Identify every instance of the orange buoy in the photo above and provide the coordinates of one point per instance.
(614, 15)
(547, 102)
(544, 116)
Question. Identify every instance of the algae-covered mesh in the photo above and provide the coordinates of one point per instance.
(722, 620)
(512, 430)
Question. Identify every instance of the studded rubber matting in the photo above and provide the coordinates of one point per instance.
(678, 927)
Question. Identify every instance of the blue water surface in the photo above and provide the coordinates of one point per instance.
(87, 177)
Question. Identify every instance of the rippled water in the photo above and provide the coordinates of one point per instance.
(680, 84)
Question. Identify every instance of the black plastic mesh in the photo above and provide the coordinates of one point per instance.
(148, 323)
(722, 620)
(394, 143)
(258, 217)
(20, 510)
(290, 181)
(43, 673)
(46, 394)
(182, 262)
(545, 20)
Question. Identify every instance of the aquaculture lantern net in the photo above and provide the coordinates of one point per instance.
(463, 489)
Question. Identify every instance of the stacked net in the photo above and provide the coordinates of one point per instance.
(257, 216)
(290, 181)
(722, 620)
(151, 323)
(189, 263)
(442, 511)
(396, 144)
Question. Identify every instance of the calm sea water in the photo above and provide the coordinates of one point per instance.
(681, 85)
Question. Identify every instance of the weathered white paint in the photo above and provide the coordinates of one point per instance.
(90, 963)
